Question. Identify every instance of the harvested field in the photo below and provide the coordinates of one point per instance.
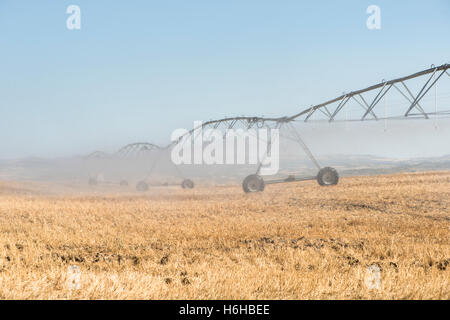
(294, 241)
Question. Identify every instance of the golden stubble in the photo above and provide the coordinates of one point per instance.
(294, 241)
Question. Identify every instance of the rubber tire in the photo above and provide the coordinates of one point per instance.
(253, 183)
(142, 186)
(187, 184)
(92, 182)
(328, 177)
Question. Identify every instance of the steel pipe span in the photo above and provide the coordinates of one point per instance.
(384, 86)
(431, 77)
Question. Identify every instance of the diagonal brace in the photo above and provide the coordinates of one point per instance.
(422, 93)
(377, 99)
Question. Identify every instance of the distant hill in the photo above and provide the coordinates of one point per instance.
(69, 169)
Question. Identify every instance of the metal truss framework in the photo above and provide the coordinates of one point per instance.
(414, 109)
(367, 108)
(130, 151)
(135, 150)
(96, 155)
(431, 76)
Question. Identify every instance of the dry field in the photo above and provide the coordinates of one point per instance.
(294, 241)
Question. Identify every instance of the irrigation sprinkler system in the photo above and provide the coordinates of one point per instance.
(366, 107)
(148, 153)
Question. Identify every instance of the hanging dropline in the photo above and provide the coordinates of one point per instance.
(326, 176)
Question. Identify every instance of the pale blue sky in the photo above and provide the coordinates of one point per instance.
(139, 69)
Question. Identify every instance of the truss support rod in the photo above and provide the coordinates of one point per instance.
(325, 113)
(412, 96)
(374, 102)
(339, 107)
(377, 99)
(415, 101)
(305, 147)
(418, 106)
(310, 114)
(366, 107)
(326, 109)
(421, 95)
(435, 106)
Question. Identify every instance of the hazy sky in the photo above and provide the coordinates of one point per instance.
(139, 69)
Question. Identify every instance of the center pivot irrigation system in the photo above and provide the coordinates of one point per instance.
(366, 107)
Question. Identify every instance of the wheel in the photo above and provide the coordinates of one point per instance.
(187, 184)
(92, 182)
(142, 186)
(328, 176)
(123, 183)
(253, 183)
